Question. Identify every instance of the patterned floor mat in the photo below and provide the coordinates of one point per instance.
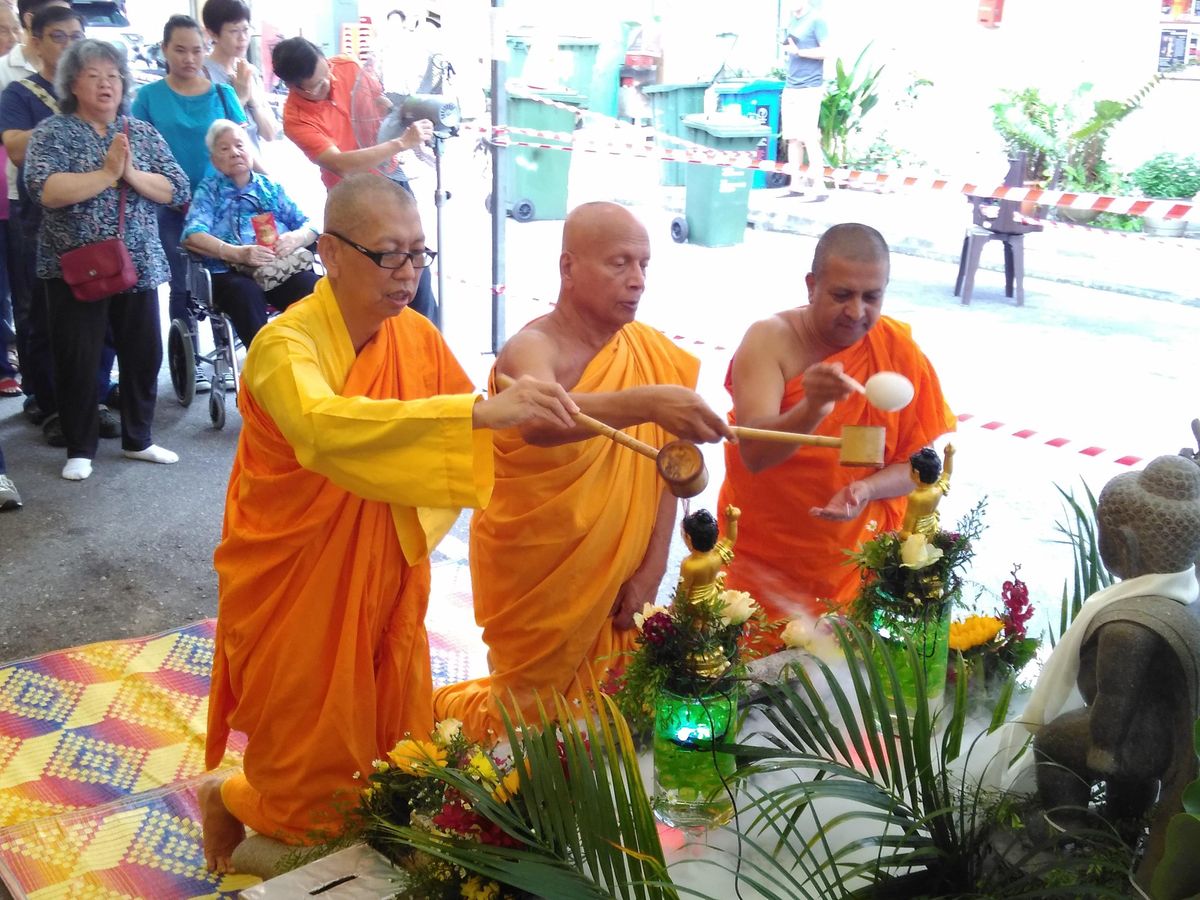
(101, 748)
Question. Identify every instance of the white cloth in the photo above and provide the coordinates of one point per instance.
(1057, 688)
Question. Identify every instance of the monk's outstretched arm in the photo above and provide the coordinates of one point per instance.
(849, 503)
(758, 388)
(408, 452)
(642, 587)
(679, 410)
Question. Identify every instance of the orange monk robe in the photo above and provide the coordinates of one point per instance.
(348, 470)
(788, 559)
(565, 528)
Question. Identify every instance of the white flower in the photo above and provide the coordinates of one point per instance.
(796, 635)
(872, 526)
(917, 553)
(736, 607)
(447, 730)
(649, 610)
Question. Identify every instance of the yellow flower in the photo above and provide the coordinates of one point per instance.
(974, 632)
(417, 757)
(795, 635)
(446, 730)
(736, 607)
(482, 766)
(917, 553)
(475, 888)
(507, 788)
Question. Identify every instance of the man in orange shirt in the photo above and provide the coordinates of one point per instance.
(801, 510)
(333, 113)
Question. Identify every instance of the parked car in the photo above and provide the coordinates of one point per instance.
(106, 21)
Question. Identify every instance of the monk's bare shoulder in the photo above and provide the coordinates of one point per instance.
(770, 341)
(531, 351)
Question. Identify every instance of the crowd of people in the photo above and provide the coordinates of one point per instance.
(173, 171)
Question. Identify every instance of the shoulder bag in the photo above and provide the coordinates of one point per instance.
(103, 268)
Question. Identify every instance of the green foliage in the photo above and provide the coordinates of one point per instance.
(1061, 137)
(580, 824)
(1168, 175)
(1117, 222)
(893, 590)
(1090, 574)
(848, 98)
(1178, 873)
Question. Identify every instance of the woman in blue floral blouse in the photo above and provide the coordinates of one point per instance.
(220, 226)
(77, 165)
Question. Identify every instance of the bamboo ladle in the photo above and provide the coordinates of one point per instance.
(681, 464)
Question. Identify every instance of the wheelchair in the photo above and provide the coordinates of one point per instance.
(181, 353)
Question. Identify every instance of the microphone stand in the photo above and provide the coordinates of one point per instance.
(439, 199)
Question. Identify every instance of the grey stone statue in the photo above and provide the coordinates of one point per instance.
(1139, 666)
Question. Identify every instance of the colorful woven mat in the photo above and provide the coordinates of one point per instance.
(101, 748)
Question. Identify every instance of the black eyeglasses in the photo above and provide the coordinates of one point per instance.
(391, 259)
(63, 37)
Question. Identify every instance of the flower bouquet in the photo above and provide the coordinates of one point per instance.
(562, 812)
(995, 647)
(909, 587)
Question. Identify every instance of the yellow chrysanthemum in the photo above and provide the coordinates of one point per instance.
(417, 757)
(482, 766)
(973, 632)
(475, 888)
(507, 787)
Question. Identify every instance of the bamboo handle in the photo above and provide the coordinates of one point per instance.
(853, 383)
(785, 437)
(595, 425)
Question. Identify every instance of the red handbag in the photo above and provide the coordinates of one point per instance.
(101, 269)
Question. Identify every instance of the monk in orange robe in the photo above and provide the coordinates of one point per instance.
(788, 375)
(360, 440)
(575, 538)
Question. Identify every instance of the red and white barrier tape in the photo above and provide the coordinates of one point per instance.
(1028, 433)
(1109, 232)
(699, 154)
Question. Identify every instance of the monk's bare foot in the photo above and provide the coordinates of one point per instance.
(221, 830)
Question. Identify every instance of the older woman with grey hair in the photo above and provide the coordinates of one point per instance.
(80, 166)
(248, 231)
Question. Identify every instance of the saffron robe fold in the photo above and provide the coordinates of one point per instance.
(789, 560)
(566, 527)
(348, 470)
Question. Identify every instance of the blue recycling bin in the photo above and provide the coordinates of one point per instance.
(760, 100)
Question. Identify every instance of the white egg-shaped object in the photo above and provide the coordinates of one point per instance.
(889, 391)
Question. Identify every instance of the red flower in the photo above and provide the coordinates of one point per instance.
(491, 833)
(1017, 608)
(456, 817)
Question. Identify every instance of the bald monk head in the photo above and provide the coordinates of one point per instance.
(373, 247)
(846, 285)
(605, 251)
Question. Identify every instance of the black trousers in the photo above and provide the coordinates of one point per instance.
(240, 298)
(77, 340)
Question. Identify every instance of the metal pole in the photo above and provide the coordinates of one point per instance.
(499, 183)
(439, 198)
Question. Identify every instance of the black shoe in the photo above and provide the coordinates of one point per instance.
(52, 429)
(33, 412)
(110, 423)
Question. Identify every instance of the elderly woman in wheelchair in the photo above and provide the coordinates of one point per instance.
(251, 236)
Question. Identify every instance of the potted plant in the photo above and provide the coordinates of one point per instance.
(1167, 176)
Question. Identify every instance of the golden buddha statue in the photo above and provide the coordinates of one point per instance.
(931, 482)
(700, 575)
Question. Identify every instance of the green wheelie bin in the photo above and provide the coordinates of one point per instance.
(669, 103)
(537, 177)
(717, 197)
